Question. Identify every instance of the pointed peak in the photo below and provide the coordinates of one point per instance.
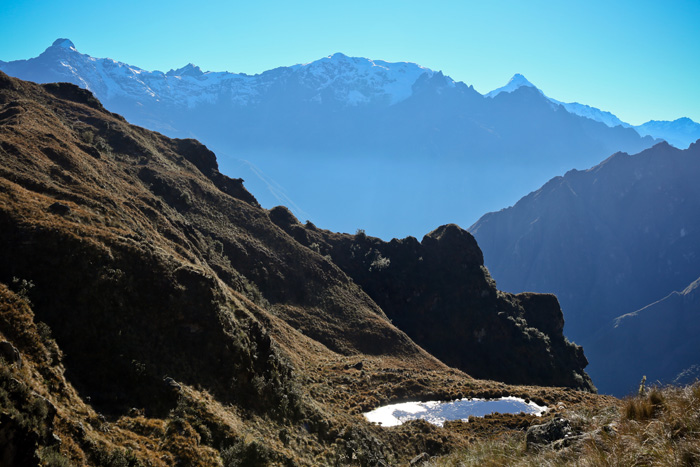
(64, 44)
(520, 80)
(188, 70)
(516, 82)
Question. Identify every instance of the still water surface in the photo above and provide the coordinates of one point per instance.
(437, 412)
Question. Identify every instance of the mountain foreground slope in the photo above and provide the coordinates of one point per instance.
(609, 241)
(152, 313)
(403, 148)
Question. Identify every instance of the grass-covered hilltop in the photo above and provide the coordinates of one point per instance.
(153, 314)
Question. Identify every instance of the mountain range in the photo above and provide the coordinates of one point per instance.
(619, 246)
(398, 148)
(153, 313)
(401, 147)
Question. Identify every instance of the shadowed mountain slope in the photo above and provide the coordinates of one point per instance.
(658, 341)
(607, 241)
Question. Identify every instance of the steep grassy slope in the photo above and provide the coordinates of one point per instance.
(151, 313)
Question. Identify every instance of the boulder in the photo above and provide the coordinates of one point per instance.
(548, 433)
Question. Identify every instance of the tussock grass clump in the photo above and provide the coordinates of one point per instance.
(644, 407)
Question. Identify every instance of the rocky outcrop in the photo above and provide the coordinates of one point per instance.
(440, 294)
(554, 430)
(144, 265)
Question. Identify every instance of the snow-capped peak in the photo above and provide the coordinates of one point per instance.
(64, 44)
(517, 81)
(357, 80)
(681, 132)
(339, 78)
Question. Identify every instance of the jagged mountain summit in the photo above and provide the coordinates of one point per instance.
(348, 80)
(401, 147)
(608, 241)
(518, 81)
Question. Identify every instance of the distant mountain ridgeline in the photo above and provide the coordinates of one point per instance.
(402, 148)
(613, 240)
(681, 132)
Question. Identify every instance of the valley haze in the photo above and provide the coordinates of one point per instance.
(400, 147)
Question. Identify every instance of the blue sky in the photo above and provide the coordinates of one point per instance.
(637, 59)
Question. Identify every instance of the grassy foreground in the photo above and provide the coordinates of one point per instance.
(659, 427)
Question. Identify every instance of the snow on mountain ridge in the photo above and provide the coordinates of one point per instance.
(582, 110)
(349, 81)
(516, 82)
(352, 81)
(593, 113)
(64, 43)
(681, 132)
(359, 80)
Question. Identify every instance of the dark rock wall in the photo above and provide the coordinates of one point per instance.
(440, 294)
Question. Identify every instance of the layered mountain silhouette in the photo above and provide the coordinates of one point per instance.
(402, 148)
(148, 301)
(609, 241)
(680, 133)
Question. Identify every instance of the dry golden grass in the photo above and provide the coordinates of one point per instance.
(659, 428)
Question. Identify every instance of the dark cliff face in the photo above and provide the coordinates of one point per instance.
(440, 294)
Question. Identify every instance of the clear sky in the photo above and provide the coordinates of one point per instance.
(638, 59)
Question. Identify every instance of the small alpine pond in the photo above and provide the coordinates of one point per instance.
(437, 412)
